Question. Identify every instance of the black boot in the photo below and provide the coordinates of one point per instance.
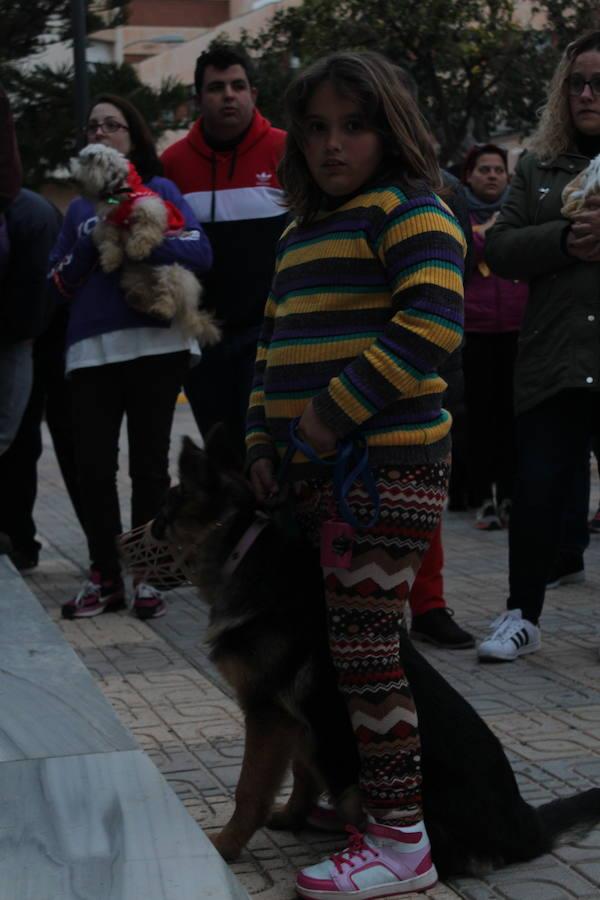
(437, 626)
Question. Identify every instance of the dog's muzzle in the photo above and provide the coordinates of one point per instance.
(148, 556)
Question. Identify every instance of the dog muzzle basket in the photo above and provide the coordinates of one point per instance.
(154, 561)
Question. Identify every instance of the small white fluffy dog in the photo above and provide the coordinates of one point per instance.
(584, 185)
(132, 221)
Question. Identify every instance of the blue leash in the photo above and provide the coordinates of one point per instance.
(350, 463)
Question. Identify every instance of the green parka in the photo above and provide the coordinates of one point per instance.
(559, 343)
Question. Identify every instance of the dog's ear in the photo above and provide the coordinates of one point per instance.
(220, 449)
(196, 469)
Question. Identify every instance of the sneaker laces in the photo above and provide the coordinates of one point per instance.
(357, 846)
(90, 587)
(505, 626)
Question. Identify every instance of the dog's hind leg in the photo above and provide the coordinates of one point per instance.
(270, 738)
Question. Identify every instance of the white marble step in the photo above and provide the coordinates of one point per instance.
(49, 702)
(84, 814)
(102, 827)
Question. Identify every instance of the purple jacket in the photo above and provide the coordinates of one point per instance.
(492, 304)
(97, 302)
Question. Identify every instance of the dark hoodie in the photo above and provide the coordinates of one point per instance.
(25, 306)
(236, 195)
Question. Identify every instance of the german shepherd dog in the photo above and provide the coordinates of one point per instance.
(268, 638)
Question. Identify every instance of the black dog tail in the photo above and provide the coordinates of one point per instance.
(569, 817)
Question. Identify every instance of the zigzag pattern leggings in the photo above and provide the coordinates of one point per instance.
(365, 604)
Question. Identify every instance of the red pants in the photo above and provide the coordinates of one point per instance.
(428, 587)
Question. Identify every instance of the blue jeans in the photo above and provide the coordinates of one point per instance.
(16, 377)
(551, 495)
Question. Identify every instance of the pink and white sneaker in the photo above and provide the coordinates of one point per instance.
(97, 596)
(148, 602)
(384, 862)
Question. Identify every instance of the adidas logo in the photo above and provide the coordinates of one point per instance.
(520, 638)
(263, 177)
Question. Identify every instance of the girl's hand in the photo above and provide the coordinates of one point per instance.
(312, 430)
(263, 482)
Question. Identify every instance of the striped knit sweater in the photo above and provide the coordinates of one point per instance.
(366, 303)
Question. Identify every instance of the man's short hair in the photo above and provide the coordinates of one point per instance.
(221, 58)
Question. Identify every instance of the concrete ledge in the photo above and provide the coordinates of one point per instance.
(84, 813)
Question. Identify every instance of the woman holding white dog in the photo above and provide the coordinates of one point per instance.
(557, 375)
(121, 362)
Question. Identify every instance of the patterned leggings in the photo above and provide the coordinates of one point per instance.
(365, 604)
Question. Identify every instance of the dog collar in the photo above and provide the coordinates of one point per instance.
(245, 543)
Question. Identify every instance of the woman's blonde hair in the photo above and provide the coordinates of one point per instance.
(369, 79)
(555, 133)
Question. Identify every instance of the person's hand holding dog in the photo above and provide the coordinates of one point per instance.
(313, 431)
(263, 481)
(583, 238)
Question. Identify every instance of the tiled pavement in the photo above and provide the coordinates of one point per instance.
(545, 708)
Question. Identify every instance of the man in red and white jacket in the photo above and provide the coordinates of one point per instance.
(226, 167)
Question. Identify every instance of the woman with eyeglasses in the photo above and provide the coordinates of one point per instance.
(121, 363)
(557, 375)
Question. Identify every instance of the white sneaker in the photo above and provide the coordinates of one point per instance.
(512, 636)
(487, 518)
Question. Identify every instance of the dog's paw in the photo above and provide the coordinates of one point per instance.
(205, 329)
(228, 849)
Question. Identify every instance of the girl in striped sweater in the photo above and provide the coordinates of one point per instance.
(366, 303)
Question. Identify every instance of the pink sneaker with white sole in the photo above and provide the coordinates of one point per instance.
(384, 862)
(148, 602)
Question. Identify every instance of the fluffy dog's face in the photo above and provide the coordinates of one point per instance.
(211, 489)
(100, 171)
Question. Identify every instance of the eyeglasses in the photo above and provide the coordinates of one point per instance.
(107, 126)
(577, 84)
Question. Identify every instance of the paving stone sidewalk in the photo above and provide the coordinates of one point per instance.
(545, 708)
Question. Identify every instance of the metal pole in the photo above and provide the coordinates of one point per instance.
(82, 94)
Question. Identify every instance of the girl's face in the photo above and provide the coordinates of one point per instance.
(489, 177)
(342, 151)
(107, 125)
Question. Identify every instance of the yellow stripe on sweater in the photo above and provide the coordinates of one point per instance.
(355, 247)
(307, 354)
(295, 304)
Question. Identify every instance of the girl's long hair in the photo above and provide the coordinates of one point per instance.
(555, 133)
(143, 153)
(373, 82)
